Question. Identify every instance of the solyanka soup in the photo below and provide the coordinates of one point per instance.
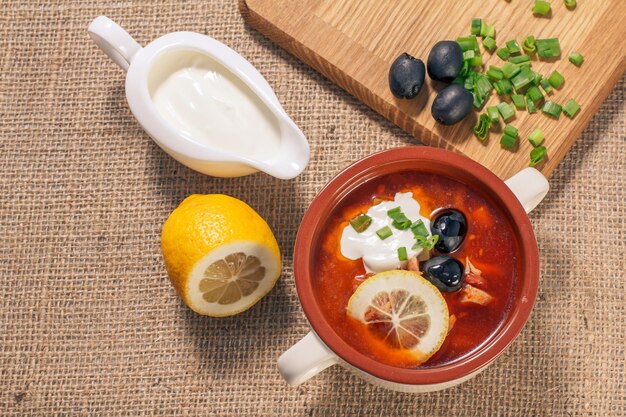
(440, 229)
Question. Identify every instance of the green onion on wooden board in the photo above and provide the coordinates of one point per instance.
(536, 137)
(534, 94)
(547, 87)
(518, 101)
(541, 8)
(508, 142)
(506, 111)
(489, 44)
(550, 108)
(513, 47)
(556, 79)
(482, 127)
(476, 25)
(576, 58)
(537, 155)
(548, 48)
(529, 44)
(503, 53)
(510, 69)
(571, 108)
(494, 114)
(570, 4)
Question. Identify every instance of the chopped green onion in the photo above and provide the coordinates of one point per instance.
(508, 142)
(521, 59)
(419, 228)
(489, 44)
(509, 69)
(384, 233)
(494, 114)
(506, 111)
(546, 86)
(537, 79)
(548, 48)
(476, 25)
(536, 156)
(483, 85)
(468, 43)
(425, 242)
(503, 53)
(571, 108)
(503, 87)
(576, 58)
(481, 89)
(400, 221)
(529, 44)
(533, 94)
(513, 47)
(478, 101)
(402, 255)
(361, 222)
(476, 61)
(552, 109)
(536, 137)
(570, 4)
(488, 31)
(511, 131)
(556, 79)
(495, 73)
(469, 54)
(458, 80)
(541, 8)
(530, 106)
(518, 101)
(482, 127)
(524, 78)
(465, 69)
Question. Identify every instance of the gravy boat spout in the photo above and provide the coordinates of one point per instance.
(291, 158)
(204, 104)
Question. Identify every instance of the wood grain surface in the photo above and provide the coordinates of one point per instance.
(353, 43)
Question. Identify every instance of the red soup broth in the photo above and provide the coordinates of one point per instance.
(490, 244)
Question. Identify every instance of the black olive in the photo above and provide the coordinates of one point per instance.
(452, 104)
(406, 76)
(445, 61)
(443, 272)
(450, 225)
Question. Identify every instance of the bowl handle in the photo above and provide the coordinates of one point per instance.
(305, 359)
(529, 186)
(113, 40)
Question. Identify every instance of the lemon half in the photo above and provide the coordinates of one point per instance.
(404, 309)
(220, 255)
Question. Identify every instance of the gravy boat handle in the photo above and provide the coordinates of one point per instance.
(114, 41)
(305, 359)
(529, 186)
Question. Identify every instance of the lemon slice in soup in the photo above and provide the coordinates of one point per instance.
(403, 309)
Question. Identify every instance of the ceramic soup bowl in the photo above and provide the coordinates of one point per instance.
(324, 347)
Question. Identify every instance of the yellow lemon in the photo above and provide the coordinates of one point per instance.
(404, 309)
(220, 255)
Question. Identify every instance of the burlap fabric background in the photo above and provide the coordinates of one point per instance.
(89, 324)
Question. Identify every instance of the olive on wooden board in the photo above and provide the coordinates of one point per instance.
(452, 104)
(445, 61)
(406, 76)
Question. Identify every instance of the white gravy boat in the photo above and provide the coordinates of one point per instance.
(180, 117)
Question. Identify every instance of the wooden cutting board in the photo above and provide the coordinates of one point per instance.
(353, 43)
